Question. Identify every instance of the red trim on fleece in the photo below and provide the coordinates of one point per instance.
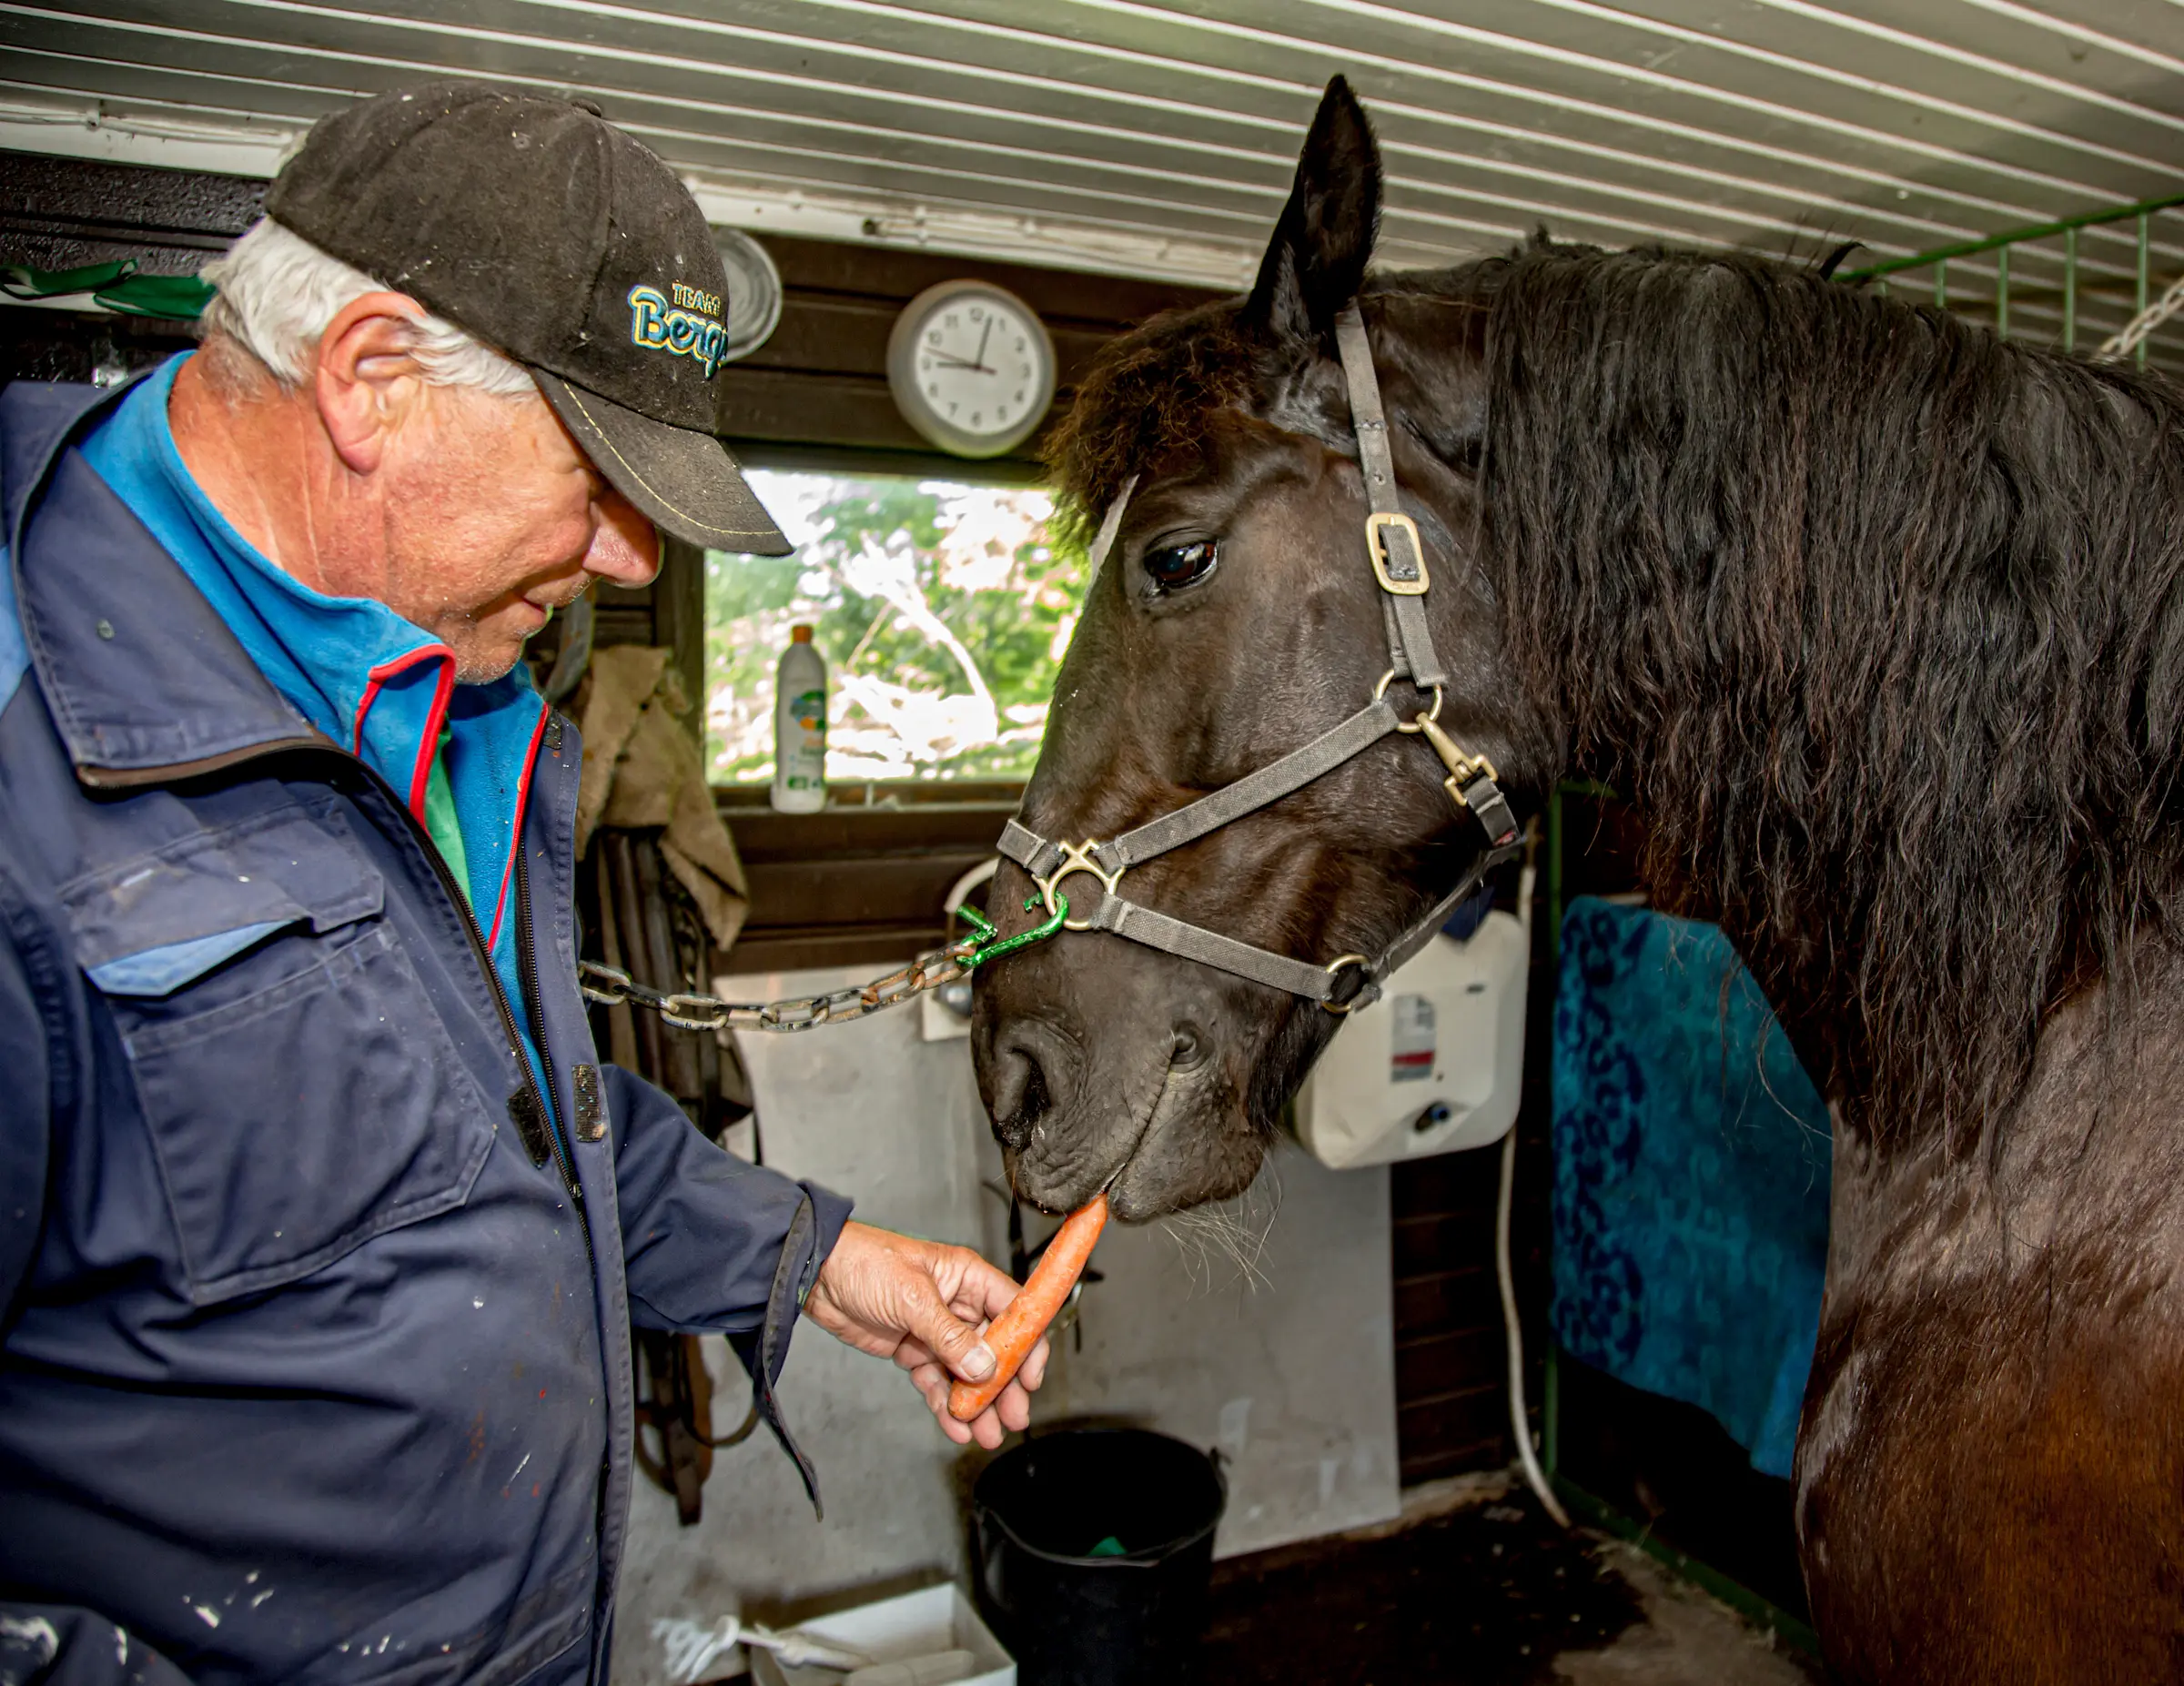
(508, 873)
(420, 779)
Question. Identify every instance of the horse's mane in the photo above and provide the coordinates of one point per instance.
(1876, 616)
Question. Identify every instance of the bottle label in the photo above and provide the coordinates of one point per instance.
(803, 741)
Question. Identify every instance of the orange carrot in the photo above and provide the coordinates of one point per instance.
(1012, 1334)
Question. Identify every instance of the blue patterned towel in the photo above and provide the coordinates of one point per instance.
(1690, 1173)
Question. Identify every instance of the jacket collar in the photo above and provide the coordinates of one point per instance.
(144, 681)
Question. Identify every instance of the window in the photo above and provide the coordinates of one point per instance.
(940, 609)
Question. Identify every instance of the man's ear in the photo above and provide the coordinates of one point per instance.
(1316, 261)
(366, 375)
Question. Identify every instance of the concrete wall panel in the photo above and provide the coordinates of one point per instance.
(1286, 1366)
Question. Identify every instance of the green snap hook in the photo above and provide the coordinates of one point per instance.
(985, 933)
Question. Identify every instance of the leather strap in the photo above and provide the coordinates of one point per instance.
(1406, 947)
(1411, 643)
(1411, 646)
(766, 1348)
(1277, 779)
(1174, 936)
(1245, 960)
(1028, 849)
(1271, 783)
(1124, 918)
(1483, 797)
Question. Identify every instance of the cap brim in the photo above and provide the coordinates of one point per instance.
(682, 481)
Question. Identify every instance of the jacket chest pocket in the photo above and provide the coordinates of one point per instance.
(300, 1091)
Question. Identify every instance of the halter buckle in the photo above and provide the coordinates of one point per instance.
(1078, 858)
(1376, 547)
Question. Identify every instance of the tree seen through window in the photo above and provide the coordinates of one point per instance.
(943, 611)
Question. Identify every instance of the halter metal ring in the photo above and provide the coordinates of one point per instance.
(1380, 691)
(1334, 969)
(1078, 858)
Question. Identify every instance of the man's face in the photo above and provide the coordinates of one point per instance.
(493, 519)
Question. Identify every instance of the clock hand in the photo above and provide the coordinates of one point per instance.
(983, 337)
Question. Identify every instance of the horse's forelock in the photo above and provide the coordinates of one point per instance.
(1150, 394)
(1146, 398)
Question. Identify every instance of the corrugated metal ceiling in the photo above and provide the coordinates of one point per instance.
(1158, 139)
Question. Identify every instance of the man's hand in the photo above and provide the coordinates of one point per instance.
(924, 1305)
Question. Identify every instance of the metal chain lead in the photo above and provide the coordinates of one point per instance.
(930, 971)
(615, 987)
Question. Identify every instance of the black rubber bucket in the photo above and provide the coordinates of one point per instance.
(1094, 1549)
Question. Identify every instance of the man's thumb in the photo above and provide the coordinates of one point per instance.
(955, 1341)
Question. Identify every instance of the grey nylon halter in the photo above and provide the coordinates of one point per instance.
(1399, 564)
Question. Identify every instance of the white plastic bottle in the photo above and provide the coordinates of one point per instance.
(800, 726)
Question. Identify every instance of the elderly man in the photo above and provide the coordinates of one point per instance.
(323, 1226)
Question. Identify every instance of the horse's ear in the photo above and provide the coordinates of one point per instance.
(1316, 262)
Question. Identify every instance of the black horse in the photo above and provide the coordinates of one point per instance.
(1879, 619)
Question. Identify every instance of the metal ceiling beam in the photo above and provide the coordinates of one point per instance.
(1780, 124)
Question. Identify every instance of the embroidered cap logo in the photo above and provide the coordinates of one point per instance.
(656, 323)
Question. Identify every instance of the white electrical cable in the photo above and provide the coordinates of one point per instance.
(1519, 1421)
(959, 892)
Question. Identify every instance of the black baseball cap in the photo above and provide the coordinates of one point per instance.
(535, 224)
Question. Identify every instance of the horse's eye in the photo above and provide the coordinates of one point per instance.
(1174, 566)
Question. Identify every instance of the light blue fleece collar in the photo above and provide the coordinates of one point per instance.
(321, 653)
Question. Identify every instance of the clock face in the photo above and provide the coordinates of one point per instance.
(972, 367)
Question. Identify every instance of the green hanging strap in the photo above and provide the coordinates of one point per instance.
(118, 286)
(167, 297)
(989, 944)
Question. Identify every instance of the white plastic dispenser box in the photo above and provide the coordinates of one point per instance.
(1435, 1065)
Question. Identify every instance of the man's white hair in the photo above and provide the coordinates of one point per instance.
(277, 293)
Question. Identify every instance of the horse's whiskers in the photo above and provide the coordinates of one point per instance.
(1236, 1227)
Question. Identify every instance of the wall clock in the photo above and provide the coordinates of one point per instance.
(972, 367)
(754, 292)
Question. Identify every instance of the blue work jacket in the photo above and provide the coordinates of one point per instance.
(314, 1310)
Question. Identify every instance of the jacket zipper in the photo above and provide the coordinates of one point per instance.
(527, 976)
(527, 973)
(509, 1027)
(528, 1098)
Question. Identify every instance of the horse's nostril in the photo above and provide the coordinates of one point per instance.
(1020, 1099)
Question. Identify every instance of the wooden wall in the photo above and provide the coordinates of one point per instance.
(1451, 1365)
(858, 886)
(815, 393)
(1452, 1395)
(65, 213)
(817, 389)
